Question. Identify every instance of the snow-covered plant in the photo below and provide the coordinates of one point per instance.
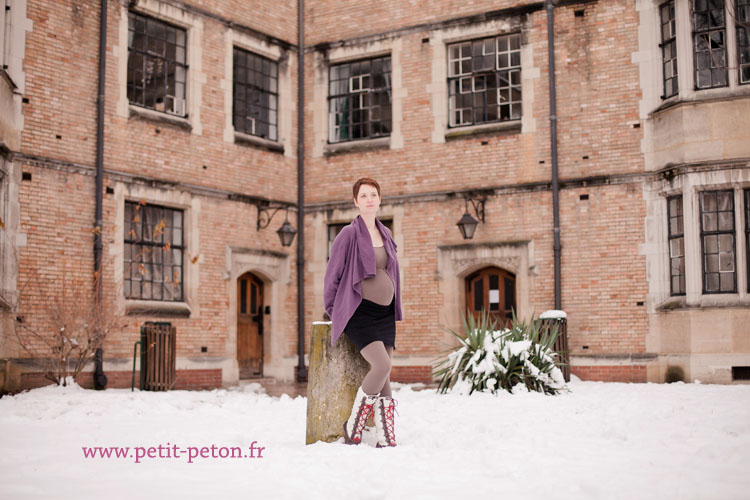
(489, 359)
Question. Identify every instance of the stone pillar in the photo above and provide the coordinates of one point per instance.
(334, 375)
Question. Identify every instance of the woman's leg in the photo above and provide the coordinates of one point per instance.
(386, 390)
(376, 354)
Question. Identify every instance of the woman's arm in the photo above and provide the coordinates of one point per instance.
(335, 269)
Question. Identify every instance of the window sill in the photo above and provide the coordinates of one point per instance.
(251, 140)
(157, 308)
(704, 302)
(705, 95)
(357, 146)
(485, 128)
(6, 76)
(158, 116)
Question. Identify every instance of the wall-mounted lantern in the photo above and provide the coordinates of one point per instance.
(468, 224)
(286, 232)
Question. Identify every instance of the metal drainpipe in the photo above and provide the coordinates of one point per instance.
(99, 373)
(553, 146)
(301, 368)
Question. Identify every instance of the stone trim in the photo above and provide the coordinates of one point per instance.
(196, 78)
(191, 237)
(287, 104)
(322, 59)
(438, 87)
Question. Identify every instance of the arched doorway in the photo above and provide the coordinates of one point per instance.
(250, 326)
(494, 290)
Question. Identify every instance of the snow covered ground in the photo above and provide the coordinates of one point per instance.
(601, 441)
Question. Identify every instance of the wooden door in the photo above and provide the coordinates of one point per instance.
(250, 326)
(492, 289)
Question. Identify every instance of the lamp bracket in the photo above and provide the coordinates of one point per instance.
(266, 212)
(477, 200)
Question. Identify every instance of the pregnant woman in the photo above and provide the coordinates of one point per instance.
(363, 298)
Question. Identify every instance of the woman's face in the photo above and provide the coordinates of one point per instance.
(367, 200)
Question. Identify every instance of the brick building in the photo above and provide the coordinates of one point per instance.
(447, 105)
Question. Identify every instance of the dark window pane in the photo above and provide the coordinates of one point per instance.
(253, 299)
(243, 296)
(478, 294)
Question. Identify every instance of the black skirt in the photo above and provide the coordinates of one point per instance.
(372, 322)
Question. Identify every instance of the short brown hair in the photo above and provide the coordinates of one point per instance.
(365, 180)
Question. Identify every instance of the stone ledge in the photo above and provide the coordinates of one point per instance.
(706, 301)
(157, 308)
(158, 116)
(251, 140)
(485, 128)
(357, 146)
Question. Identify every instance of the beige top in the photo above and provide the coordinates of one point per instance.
(379, 288)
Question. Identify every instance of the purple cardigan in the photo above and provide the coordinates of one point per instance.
(352, 260)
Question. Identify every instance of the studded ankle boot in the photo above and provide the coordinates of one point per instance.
(361, 410)
(384, 410)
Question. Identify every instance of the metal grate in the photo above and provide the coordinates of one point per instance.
(741, 373)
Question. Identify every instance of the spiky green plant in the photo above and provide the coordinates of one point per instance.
(489, 360)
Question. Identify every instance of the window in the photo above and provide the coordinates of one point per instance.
(742, 20)
(676, 245)
(153, 252)
(157, 66)
(5, 34)
(668, 49)
(709, 44)
(484, 80)
(255, 95)
(717, 241)
(359, 100)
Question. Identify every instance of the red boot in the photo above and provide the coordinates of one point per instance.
(384, 410)
(361, 411)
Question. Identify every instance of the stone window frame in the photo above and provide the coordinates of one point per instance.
(179, 61)
(192, 257)
(669, 44)
(674, 236)
(13, 27)
(438, 88)
(286, 102)
(474, 81)
(355, 90)
(196, 78)
(271, 93)
(321, 61)
(746, 19)
(690, 185)
(152, 247)
(706, 33)
(687, 85)
(718, 232)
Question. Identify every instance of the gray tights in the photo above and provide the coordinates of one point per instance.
(377, 379)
